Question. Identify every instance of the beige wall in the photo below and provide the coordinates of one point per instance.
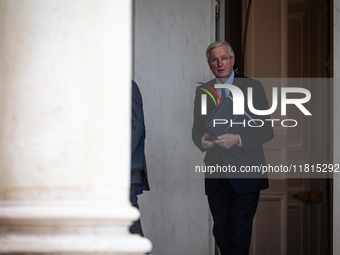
(170, 41)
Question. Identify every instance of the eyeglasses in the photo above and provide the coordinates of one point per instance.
(224, 59)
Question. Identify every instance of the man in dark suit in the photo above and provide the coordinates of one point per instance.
(232, 197)
(138, 165)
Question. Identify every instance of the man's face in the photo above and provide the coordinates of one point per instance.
(220, 62)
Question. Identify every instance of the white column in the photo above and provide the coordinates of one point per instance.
(65, 81)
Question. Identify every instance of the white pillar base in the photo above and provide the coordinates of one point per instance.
(65, 229)
(74, 244)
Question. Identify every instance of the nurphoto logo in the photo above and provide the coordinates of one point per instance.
(238, 104)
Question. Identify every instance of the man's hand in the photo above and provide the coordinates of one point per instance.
(227, 140)
(207, 144)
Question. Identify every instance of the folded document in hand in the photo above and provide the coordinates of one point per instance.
(222, 121)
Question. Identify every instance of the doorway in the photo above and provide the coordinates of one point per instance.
(292, 39)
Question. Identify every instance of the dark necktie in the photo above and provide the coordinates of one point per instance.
(223, 95)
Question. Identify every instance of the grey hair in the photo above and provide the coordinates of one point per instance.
(218, 44)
